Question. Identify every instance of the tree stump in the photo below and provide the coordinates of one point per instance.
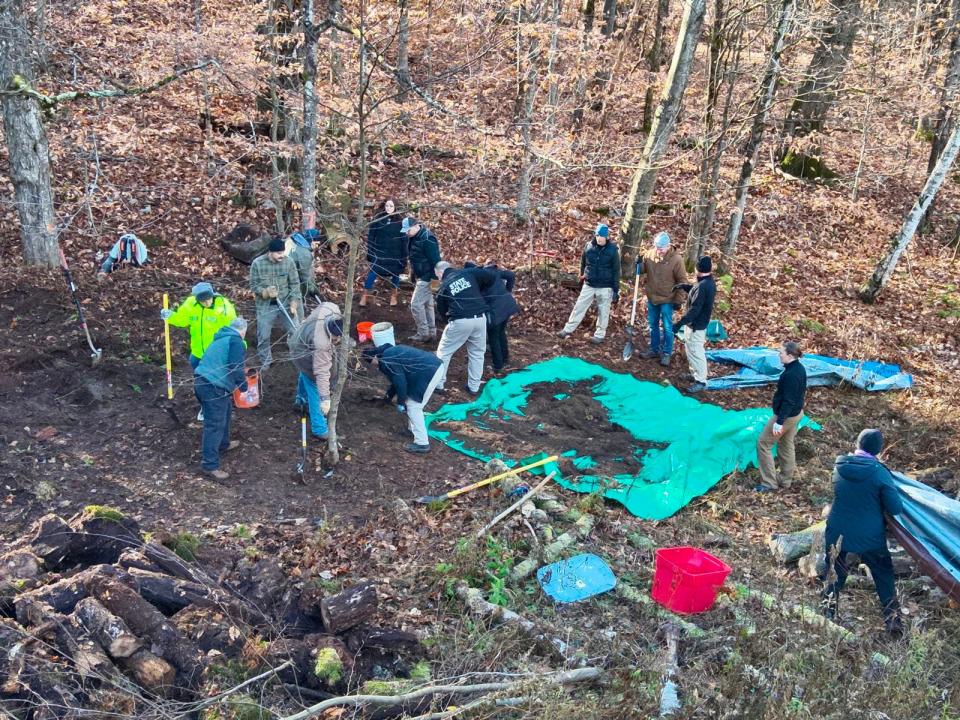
(348, 608)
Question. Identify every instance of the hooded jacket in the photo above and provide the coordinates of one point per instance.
(222, 363)
(312, 348)
(862, 493)
(662, 274)
(204, 322)
(409, 370)
(386, 245)
(424, 254)
(600, 265)
(499, 297)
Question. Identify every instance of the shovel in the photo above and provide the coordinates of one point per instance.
(426, 499)
(628, 348)
(96, 354)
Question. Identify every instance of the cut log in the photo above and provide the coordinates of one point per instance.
(150, 671)
(366, 636)
(107, 629)
(171, 563)
(787, 547)
(146, 621)
(171, 594)
(63, 595)
(348, 608)
(31, 612)
(88, 657)
(133, 558)
(19, 565)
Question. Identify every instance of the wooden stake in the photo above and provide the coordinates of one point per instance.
(482, 531)
(166, 339)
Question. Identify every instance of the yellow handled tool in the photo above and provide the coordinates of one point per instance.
(166, 337)
(481, 483)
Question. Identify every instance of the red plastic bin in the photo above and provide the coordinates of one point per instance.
(686, 579)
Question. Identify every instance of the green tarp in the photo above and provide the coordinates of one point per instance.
(698, 443)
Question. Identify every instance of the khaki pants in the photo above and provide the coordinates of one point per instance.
(422, 306)
(604, 297)
(471, 332)
(785, 451)
(693, 341)
(415, 420)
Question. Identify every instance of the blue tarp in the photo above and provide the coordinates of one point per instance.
(933, 520)
(762, 366)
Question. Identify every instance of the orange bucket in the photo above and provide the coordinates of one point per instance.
(250, 398)
(364, 332)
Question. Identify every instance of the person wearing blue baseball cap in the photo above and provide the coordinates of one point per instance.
(300, 247)
(424, 254)
(600, 275)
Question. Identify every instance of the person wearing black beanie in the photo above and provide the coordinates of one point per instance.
(863, 492)
(694, 322)
(275, 281)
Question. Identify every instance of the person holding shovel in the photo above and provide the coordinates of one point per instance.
(600, 275)
(300, 249)
(413, 374)
(313, 350)
(663, 267)
(781, 429)
(219, 373)
(274, 279)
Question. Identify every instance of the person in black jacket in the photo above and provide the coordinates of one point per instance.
(413, 375)
(600, 274)
(461, 303)
(424, 253)
(863, 492)
(781, 429)
(386, 251)
(694, 322)
(501, 306)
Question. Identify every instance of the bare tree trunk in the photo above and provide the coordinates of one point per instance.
(884, 270)
(645, 177)
(27, 149)
(207, 118)
(532, 87)
(403, 50)
(626, 41)
(308, 200)
(874, 61)
(609, 17)
(580, 91)
(553, 93)
(817, 92)
(654, 60)
(765, 96)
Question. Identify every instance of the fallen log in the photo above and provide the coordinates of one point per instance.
(134, 559)
(629, 592)
(554, 550)
(51, 540)
(787, 547)
(145, 620)
(107, 629)
(150, 671)
(348, 608)
(171, 594)
(63, 595)
(669, 700)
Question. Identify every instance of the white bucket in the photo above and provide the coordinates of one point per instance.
(382, 333)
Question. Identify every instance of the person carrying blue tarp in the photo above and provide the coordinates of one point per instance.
(781, 429)
(863, 492)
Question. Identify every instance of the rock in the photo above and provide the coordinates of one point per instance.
(402, 512)
(19, 565)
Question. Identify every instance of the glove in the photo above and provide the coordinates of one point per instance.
(401, 408)
(165, 314)
(325, 406)
(777, 429)
(269, 292)
(686, 287)
(293, 307)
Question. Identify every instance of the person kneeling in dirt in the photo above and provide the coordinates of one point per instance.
(313, 350)
(128, 250)
(414, 374)
(274, 279)
(694, 322)
(219, 373)
(862, 492)
(460, 301)
(204, 312)
(600, 275)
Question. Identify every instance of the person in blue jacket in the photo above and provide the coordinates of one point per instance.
(501, 306)
(863, 493)
(220, 372)
(128, 250)
(413, 374)
(386, 251)
(600, 274)
(424, 254)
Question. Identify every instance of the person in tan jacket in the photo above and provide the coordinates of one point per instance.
(663, 267)
(313, 351)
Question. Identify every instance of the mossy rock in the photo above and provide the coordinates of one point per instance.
(104, 512)
(421, 672)
(185, 545)
(807, 167)
(328, 666)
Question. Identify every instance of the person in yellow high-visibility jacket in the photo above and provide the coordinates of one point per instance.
(204, 312)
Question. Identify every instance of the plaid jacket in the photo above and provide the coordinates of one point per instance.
(282, 275)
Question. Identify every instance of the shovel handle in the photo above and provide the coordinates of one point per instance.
(512, 471)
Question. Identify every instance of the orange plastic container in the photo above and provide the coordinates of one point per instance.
(250, 398)
(686, 579)
(364, 332)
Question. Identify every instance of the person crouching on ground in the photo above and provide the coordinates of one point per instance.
(694, 322)
(663, 266)
(413, 374)
(781, 429)
(600, 275)
(128, 250)
(314, 353)
(863, 492)
(219, 373)
(461, 303)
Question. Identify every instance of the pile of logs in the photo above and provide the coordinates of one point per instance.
(88, 608)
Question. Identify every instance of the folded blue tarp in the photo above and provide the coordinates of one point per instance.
(929, 529)
(762, 366)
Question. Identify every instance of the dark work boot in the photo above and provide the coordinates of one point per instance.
(665, 359)
(649, 354)
(894, 625)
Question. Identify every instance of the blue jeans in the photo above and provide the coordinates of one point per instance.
(308, 393)
(217, 405)
(386, 274)
(655, 315)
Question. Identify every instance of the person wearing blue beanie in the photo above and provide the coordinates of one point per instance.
(600, 275)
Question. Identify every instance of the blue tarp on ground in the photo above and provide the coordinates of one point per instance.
(933, 520)
(762, 366)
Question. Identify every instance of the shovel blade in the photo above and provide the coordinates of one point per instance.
(628, 348)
